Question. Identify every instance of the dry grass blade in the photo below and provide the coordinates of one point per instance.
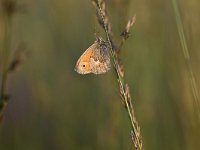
(126, 32)
(130, 23)
(118, 67)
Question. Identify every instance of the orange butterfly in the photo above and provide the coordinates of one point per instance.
(95, 59)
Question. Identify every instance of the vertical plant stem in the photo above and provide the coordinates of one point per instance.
(4, 62)
(138, 141)
(187, 58)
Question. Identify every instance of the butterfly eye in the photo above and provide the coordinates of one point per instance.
(83, 65)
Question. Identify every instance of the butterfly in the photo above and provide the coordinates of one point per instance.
(95, 59)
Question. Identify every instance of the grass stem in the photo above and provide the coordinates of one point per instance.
(128, 105)
(4, 58)
(187, 57)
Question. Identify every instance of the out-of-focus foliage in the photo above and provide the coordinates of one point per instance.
(53, 107)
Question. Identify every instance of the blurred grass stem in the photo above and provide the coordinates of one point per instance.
(187, 57)
(4, 61)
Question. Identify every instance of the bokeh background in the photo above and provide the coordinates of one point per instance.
(54, 108)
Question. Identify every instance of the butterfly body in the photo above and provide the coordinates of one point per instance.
(95, 59)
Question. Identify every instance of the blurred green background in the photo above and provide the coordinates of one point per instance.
(54, 108)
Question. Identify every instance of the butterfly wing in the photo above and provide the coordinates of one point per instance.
(95, 59)
(100, 62)
(83, 64)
